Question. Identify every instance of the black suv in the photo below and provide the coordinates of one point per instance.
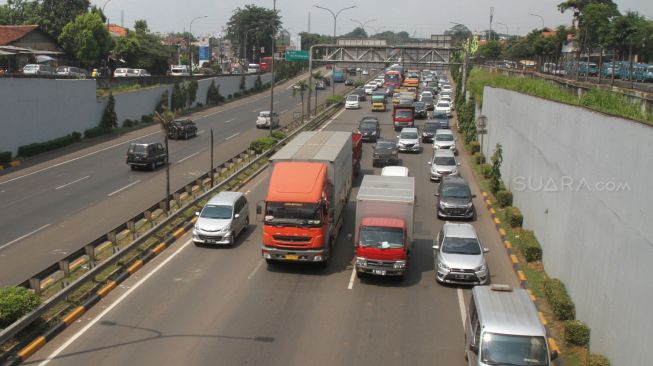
(428, 131)
(385, 152)
(420, 109)
(455, 199)
(369, 128)
(146, 155)
(182, 128)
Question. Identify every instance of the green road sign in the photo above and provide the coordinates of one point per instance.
(296, 55)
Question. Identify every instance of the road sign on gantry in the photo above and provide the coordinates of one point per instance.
(296, 55)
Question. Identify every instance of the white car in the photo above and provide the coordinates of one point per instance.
(443, 164)
(137, 73)
(425, 93)
(444, 107)
(394, 171)
(179, 70)
(352, 102)
(120, 72)
(379, 82)
(409, 140)
(444, 140)
(263, 119)
(446, 88)
(37, 69)
(365, 72)
(370, 88)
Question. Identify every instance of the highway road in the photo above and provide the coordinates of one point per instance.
(226, 306)
(55, 207)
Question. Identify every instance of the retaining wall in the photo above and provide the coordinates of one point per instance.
(582, 180)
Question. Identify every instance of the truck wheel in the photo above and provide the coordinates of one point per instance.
(270, 262)
(360, 275)
(186, 135)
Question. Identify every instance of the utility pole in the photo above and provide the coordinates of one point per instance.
(274, 33)
(489, 36)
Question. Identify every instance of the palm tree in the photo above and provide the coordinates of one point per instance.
(300, 88)
(165, 120)
(317, 76)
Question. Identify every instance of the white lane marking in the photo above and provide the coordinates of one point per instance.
(210, 114)
(200, 132)
(461, 304)
(230, 120)
(332, 119)
(24, 236)
(258, 265)
(125, 187)
(232, 136)
(351, 278)
(188, 157)
(79, 157)
(110, 307)
(73, 182)
(283, 111)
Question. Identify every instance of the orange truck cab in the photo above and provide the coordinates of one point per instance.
(384, 225)
(309, 187)
(403, 115)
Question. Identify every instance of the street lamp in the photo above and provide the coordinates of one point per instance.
(481, 124)
(377, 30)
(464, 81)
(507, 29)
(245, 44)
(539, 16)
(335, 20)
(274, 34)
(362, 25)
(104, 6)
(190, 46)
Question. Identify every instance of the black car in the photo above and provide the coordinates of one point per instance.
(420, 109)
(369, 129)
(146, 155)
(349, 82)
(429, 102)
(182, 128)
(385, 151)
(320, 85)
(443, 123)
(455, 199)
(361, 94)
(428, 131)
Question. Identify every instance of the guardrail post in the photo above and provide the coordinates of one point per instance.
(177, 197)
(131, 225)
(90, 252)
(162, 204)
(64, 266)
(35, 284)
(113, 239)
(148, 217)
(189, 190)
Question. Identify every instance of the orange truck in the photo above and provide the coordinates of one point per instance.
(309, 187)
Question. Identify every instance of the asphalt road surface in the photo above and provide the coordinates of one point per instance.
(53, 208)
(226, 306)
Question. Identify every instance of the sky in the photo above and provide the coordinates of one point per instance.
(420, 18)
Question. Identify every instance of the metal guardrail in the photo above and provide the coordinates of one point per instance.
(97, 268)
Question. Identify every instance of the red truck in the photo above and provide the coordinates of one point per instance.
(266, 63)
(384, 225)
(403, 115)
(309, 187)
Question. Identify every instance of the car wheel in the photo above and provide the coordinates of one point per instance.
(132, 167)
(246, 224)
(186, 135)
(153, 165)
(233, 239)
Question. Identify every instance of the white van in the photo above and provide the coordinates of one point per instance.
(179, 70)
(395, 171)
(503, 328)
(253, 68)
(222, 219)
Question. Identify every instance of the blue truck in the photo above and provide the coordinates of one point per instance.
(338, 76)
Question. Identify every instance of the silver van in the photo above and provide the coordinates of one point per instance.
(222, 219)
(503, 328)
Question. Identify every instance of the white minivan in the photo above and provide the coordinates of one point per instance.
(503, 328)
(222, 219)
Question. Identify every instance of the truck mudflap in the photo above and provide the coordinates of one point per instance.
(294, 255)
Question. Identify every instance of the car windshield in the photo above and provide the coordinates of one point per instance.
(131, 71)
(352, 98)
(454, 245)
(294, 213)
(404, 114)
(430, 127)
(381, 237)
(427, 99)
(419, 105)
(137, 149)
(455, 191)
(502, 349)
(386, 145)
(29, 67)
(444, 160)
(409, 135)
(444, 137)
(443, 105)
(264, 114)
(368, 125)
(216, 212)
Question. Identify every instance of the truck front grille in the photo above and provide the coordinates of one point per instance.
(292, 239)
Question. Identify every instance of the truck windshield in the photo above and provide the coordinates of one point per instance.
(404, 114)
(503, 349)
(381, 237)
(293, 213)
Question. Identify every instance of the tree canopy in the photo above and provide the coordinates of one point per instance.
(255, 23)
(86, 38)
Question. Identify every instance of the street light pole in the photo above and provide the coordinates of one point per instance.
(539, 16)
(335, 20)
(245, 44)
(190, 46)
(362, 25)
(274, 31)
(507, 29)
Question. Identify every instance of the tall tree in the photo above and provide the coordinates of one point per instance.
(300, 88)
(358, 32)
(53, 15)
(459, 33)
(491, 50)
(17, 12)
(86, 38)
(253, 22)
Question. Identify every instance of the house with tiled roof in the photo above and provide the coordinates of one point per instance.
(21, 44)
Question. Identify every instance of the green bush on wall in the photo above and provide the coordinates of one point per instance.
(577, 333)
(479, 158)
(559, 300)
(278, 135)
(504, 198)
(529, 246)
(599, 360)
(474, 147)
(262, 144)
(486, 170)
(5, 157)
(514, 216)
(41, 147)
(16, 302)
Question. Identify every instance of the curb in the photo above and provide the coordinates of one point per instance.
(10, 164)
(523, 282)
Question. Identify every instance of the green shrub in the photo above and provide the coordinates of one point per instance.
(237, 95)
(262, 144)
(486, 170)
(229, 96)
(147, 118)
(504, 198)
(576, 333)
(278, 135)
(109, 117)
(5, 157)
(95, 132)
(128, 123)
(599, 360)
(334, 99)
(359, 83)
(514, 216)
(163, 102)
(479, 158)
(258, 83)
(475, 147)
(16, 302)
(529, 246)
(41, 147)
(559, 300)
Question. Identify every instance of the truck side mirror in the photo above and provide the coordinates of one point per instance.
(259, 208)
(473, 348)
(436, 247)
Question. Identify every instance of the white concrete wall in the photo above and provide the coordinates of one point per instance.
(564, 166)
(37, 110)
